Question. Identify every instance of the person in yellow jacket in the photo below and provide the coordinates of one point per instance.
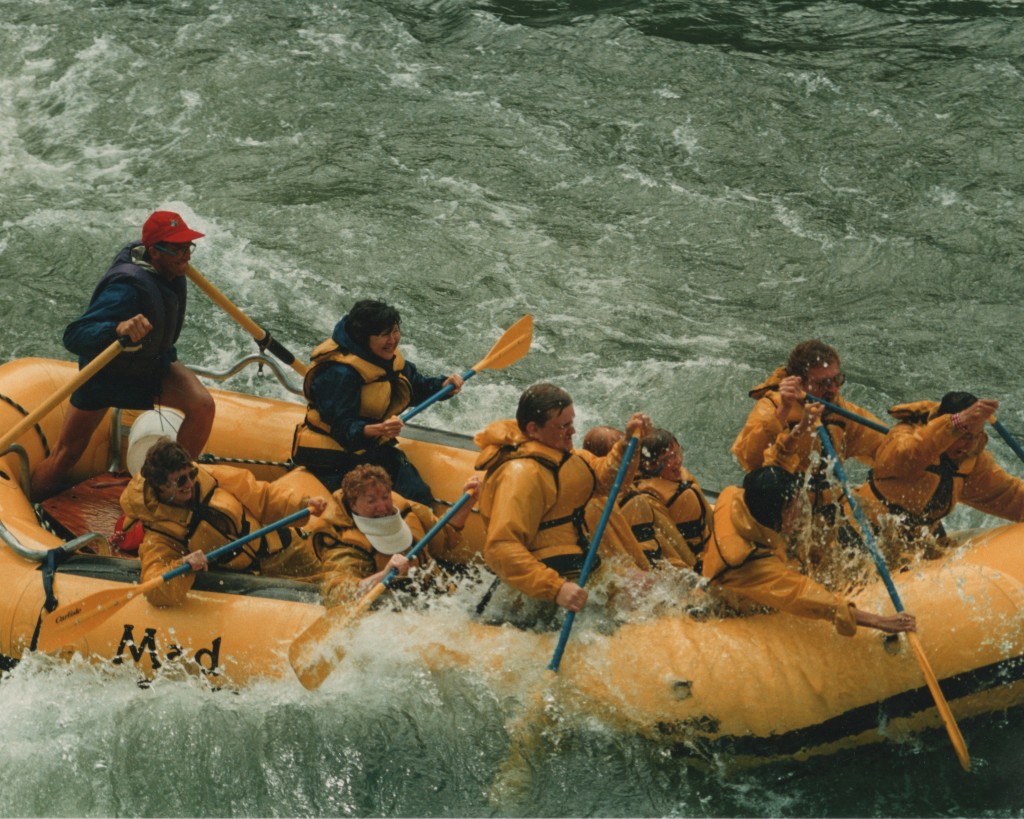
(618, 535)
(357, 385)
(812, 367)
(746, 557)
(665, 506)
(934, 458)
(372, 527)
(188, 510)
(534, 500)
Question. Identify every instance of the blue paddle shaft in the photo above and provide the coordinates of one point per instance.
(415, 550)
(437, 396)
(220, 551)
(866, 532)
(1004, 433)
(595, 541)
(860, 419)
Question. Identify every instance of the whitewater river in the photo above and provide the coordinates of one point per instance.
(677, 191)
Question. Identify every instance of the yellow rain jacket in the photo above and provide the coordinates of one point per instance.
(759, 442)
(533, 503)
(913, 476)
(349, 557)
(227, 503)
(749, 560)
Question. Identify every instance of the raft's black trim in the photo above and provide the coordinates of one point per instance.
(126, 570)
(857, 721)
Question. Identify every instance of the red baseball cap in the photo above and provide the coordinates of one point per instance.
(167, 226)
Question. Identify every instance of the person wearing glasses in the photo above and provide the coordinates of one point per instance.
(142, 297)
(188, 510)
(358, 383)
(773, 434)
(934, 458)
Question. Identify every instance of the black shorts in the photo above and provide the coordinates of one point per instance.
(126, 392)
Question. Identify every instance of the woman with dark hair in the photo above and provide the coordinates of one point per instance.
(356, 387)
(934, 458)
(746, 556)
(665, 506)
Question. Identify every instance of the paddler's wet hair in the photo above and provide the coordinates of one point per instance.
(653, 449)
(370, 318)
(807, 354)
(953, 402)
(768, 490)
(360, 479)
(539, 402)
(164, 458)
(600, 440)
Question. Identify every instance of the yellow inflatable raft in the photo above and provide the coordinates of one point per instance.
(762, 687)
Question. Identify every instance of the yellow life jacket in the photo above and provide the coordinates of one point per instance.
(695, 530)
(563, 536)
(345, 533)
(737, 537)
(383, 394)
(216, 518)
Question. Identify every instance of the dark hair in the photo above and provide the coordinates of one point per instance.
(539, 402)
(953, 402)
(370, 318)
(164, 458)
(653, 448)
(600, 440)
(807, 354)
(767, 491)
(365, 475)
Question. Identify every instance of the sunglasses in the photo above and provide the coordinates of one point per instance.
(188, 477)
(836, 380)
(176, 251)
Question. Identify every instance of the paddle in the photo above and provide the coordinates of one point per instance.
(87, 372)
(513, 345)
(1005, 434)
(263, 337)
(588, 562)
(860, 419)
(67, 624)
(959, 746)
(313, 654)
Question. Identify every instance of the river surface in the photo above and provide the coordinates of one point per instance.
(678, 191)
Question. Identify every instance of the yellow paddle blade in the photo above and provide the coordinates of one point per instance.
(959, 746)
(513, 345)
(316, 652)
(68, 624)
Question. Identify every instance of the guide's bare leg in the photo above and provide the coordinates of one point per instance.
(182, 390)
(79, 425)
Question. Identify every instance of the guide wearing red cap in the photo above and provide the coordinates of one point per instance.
(167, 226)
(142, 296)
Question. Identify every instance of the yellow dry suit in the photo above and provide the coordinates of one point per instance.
(227, 504)
(915, 479)
(748, 561)
(533, 503)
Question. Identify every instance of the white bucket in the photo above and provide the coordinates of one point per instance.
(150, 427)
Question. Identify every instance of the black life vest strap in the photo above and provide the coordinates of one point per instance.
(569, 566)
